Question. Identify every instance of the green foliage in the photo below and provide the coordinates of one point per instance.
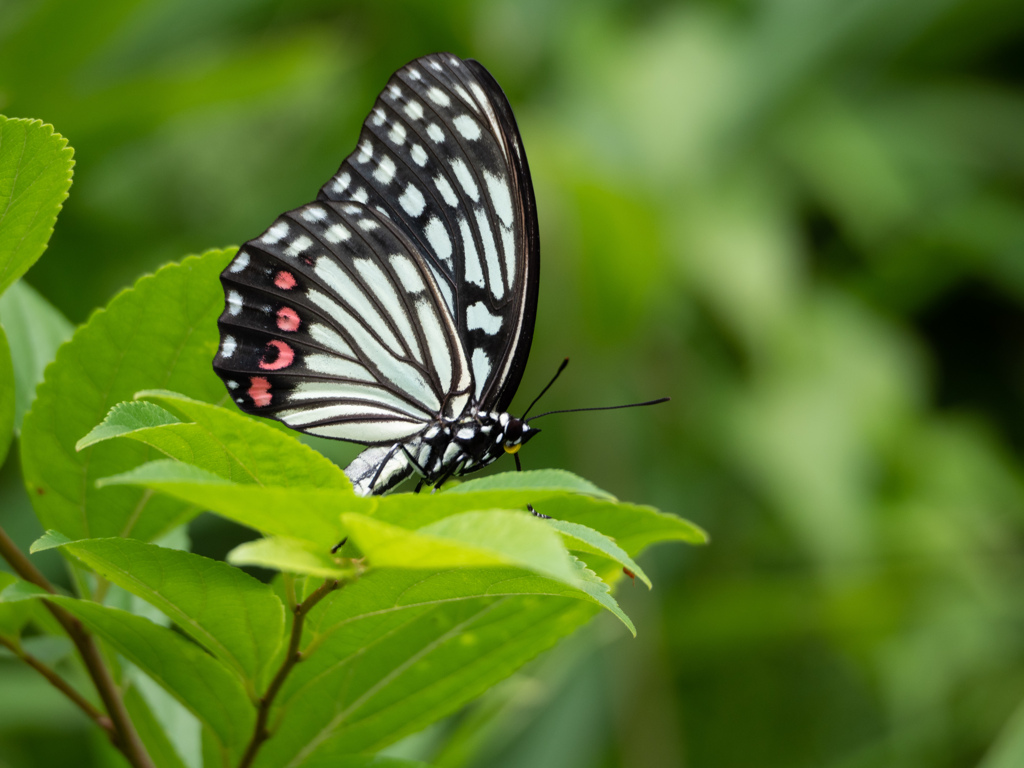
(430, 600)
(35, 175)
(128, 346)
(34, 329)
(6, 397)
(800, 220)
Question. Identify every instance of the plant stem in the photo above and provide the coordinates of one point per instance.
(260, 733)
(61, 685)
(122, 735)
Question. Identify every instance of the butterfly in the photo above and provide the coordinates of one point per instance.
(397, 309)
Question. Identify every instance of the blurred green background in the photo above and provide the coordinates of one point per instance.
(801, 219)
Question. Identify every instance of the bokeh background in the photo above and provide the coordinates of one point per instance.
(801, 219)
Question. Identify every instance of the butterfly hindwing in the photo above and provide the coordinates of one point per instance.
(334, 325)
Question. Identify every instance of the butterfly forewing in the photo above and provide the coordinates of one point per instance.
(440, 153)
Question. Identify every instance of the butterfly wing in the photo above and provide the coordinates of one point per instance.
(441, 154)
(408, 290)
(335, 326)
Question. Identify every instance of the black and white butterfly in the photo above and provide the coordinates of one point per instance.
(397, 310)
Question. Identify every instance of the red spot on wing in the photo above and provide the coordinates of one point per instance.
(284, 280)
(287, 319)
(281, 357)
(259, 391)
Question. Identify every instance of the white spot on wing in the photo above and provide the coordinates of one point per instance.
(275, 234)
(501, 197)
(385, 170)
(438, 238)
(419, 155)
(367, 225)
(466, 97)
(365, 151)
(414, 110)
(314, 214)
(462, 173)
(490, 255)
(341, 183)
(481, 365)
(434, 131)
(412, 200)
(394, 91)
(336, 233)
(478, 317)
(378, 116)
(472, 270)
(397, 134)
(298, 245)
(227, 349)
(468, 127)
(240, 263)
(446, 191)
(439, 97)
(360, 195)
(234, 303)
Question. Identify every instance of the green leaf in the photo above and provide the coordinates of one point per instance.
(162, 332)
(480, 540)
(6, 397)
(202, 684)
(13, 615)
(309, 514)
(154, 736)
(127, 419)
(583, 539)
(229, 444)
(532, 480)
(469, 539)
(359, 761)
(49, 540)
(631, 526)
(35, 329)
(231, 614)
(389, 668)
(289, 556)
(35, 175)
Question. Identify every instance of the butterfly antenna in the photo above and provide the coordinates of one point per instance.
(553, 380)
(605, 407)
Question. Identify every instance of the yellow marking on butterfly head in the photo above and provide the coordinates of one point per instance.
(513, 448)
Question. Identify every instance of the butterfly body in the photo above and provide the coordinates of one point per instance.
(397, 310)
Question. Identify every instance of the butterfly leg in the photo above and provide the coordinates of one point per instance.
(419, 485)
(529, 507)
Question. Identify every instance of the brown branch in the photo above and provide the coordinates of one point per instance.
(61, 685)
(122, 734)
(260, 733)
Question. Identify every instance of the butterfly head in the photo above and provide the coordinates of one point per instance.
(517, 432)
